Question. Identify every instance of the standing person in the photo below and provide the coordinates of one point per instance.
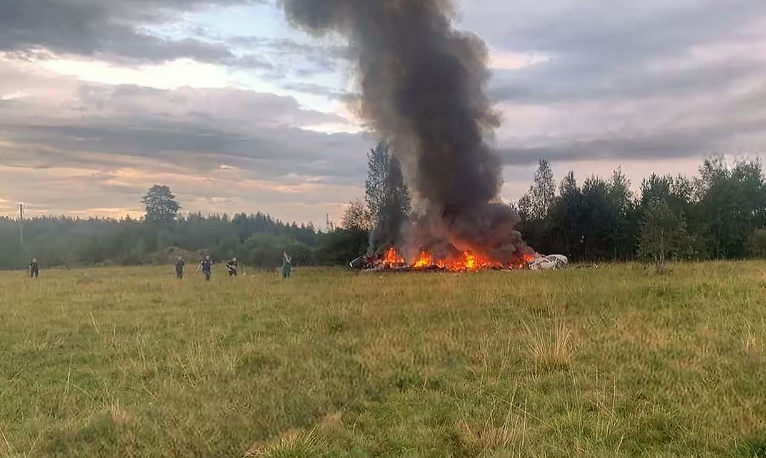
(287, 265)
(34, 268)
(180, 268)
(232, 266)
(207, 267)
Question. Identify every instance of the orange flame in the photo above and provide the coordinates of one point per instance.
(466, 261)
(424, 260)
(392, 259)
(470, 261)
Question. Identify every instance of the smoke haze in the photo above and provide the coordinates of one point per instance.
(423, 90)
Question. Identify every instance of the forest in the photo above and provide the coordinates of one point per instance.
(718, 214)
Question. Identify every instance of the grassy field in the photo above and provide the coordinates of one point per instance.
(614, 362)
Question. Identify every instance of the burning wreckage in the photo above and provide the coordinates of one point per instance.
(422, 89)
(391, 261)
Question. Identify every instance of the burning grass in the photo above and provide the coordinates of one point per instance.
(615, 362)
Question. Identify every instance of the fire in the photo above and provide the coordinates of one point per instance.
(424, 260)
(470, 261)
(522, 263)
(465, 261)
(392, 259)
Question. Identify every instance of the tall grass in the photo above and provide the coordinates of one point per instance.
(551, 350)
(615, 362)
(294, 444)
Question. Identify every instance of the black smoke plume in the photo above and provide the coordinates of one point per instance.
(423, 90)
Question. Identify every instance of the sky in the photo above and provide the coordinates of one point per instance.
(223, 101)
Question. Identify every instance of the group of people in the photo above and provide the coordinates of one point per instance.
(206, 266)
(232, 267)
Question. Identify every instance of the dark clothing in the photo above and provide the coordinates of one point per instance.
(180, 269)
(207, 266)
(34, 269)
(232, 268)
(287, 266)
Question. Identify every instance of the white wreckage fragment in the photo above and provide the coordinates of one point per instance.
(550, 262)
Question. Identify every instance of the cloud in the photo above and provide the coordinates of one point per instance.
(581, 79)
(81, 191)
(650, 49)
(611, 30)
(278, 154)
(127, 33)
(658, 145)
(221, 105)
(292, 63)
(627, 80)
(108, 29)
(643, 129)
(317, 89)
(87, 36)
(82, 145)
(323, 53)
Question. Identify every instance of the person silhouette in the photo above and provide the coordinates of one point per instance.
(207, 267)
(180, 268)
(34, 268)
(287, 265)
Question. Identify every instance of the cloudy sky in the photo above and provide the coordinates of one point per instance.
(237, 112)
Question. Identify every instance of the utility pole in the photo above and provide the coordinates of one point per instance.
(21, 224)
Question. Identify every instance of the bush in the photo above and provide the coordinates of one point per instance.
(300, 252)
(342, 246)
(663, 234)
(756, 244)
(265, 250)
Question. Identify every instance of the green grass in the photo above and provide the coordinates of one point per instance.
(614, 362)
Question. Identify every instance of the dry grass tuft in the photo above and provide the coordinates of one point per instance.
(550, 351)
(118, 413)
(753, 337)
(506, 433)
(293, 444)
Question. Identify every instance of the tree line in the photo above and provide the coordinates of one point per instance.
(718, 214)
(256, 240)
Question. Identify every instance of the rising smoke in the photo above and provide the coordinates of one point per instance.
(423, 90)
